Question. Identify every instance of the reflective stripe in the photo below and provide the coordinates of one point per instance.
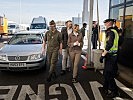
(115, 44)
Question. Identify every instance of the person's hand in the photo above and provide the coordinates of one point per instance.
(43, 51)
(101, 59)
(76, 43)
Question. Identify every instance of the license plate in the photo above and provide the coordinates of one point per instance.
(17, 64)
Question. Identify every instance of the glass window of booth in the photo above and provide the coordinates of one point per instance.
(129, 21)
(116, 2)
(117, 13)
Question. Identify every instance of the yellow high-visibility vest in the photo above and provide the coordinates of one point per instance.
(114, 48)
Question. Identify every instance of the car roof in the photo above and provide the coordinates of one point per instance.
(29, 32)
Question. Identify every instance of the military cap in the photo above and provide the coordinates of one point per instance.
(51, 22)
(108, 20)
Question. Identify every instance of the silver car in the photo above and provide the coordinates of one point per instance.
(23, 52)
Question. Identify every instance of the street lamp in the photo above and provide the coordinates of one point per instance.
(20, 12)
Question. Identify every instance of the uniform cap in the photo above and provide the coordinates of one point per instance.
(52, 22)
(108, 20)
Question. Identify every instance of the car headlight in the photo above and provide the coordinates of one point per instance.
(3, 57)
(35, 56)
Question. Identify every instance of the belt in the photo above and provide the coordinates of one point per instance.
(112, 54)
(115, 51)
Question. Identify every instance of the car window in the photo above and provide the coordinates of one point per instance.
(21, 39)
(38, 26)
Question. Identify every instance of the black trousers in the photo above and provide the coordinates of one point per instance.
(110, 72)
(94, 41)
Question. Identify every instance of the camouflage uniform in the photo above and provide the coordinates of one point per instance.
(53, 45)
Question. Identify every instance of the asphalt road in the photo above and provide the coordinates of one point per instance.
(32, 85)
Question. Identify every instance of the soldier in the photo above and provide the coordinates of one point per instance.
(54, 44)
(110, 55)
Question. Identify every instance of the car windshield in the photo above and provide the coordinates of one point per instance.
(22, 39)
(38, 26)
(11, 26)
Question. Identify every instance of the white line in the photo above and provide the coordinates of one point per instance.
(95, 90)
(123, 87)
(69, 91)
(81, 92)
(53, 91)
(26, 89)
(12, 90)
(120, 85)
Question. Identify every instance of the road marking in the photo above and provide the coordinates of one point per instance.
(26, 89)
(40, 95)
(53, 91)
(94, 86)
(12, 90)
(123, 87)
(69, 91)
(118, 98)
(81, 92)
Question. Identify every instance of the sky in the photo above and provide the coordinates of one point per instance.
(22, 11)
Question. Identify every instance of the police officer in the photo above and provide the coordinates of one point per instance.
(54, 44)
(110, 55)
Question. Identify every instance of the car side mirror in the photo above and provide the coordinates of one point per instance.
(28, 28)
(47, 28)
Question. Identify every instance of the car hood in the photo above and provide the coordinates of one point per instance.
(21, 49)
(39, 30)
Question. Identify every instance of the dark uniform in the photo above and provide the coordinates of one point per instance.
(110, 67)
(94, 37)
(53, 46)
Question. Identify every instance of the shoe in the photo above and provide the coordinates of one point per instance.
(68, 69)
(84, 67)
(63, 72)
(54, 75)
(74, 80)
(113, 95)
(49, 77)
(105, 91)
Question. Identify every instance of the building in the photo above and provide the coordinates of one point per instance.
(122, 11)
(77, 20)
